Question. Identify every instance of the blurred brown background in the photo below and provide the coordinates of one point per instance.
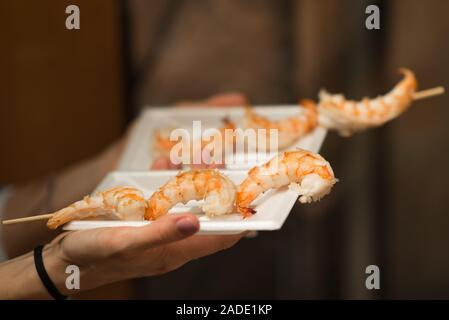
(58, 88)
(65, 95)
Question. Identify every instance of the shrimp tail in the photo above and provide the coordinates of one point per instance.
(149, 213)
(409, 78)
(246, 212)
(227, 123)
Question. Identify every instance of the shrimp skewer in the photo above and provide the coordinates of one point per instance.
(216, 189)
(289, 130)
(305, 172)
(163, 144)
(348, 116)
(121, 203)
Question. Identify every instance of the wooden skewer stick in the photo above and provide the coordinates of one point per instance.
(428, 93)
(28, 219)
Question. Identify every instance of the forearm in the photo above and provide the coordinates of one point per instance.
(19, 278)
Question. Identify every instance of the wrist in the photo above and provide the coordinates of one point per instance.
(56, 266)
(21, 280)
(70, 277)
(71, 274)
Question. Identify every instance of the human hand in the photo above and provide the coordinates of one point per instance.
(108, 255)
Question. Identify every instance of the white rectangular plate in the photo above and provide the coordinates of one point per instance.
(137, 155)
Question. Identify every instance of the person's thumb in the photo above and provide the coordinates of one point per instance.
(167, 229)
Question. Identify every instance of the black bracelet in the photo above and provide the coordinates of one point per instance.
(43, 275)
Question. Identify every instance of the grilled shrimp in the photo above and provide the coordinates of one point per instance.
(216, 189)
(163, 144)
(289, 130)
(347, 117)
(119, 203)
(305, 172)
(228, 125)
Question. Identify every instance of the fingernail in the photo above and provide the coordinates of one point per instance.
(187, 226)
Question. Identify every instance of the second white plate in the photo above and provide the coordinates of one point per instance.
(138, 153)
